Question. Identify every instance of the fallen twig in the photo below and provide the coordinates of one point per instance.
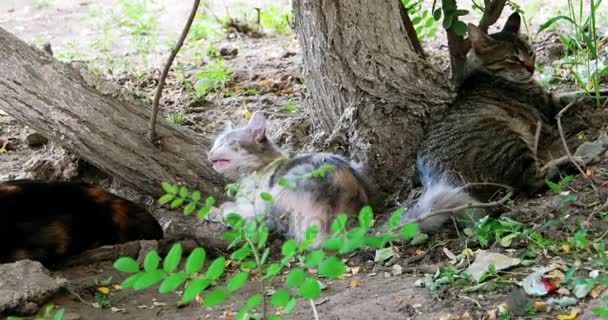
(163, 76)
(558, 117)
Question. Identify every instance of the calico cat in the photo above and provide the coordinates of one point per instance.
(489, 132)
(247, 156)
(48, 221)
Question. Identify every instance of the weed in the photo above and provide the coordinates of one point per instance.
(178, 118)
(39, 4)
(582, 45)
(276, 20)
(250, 251)
(213, 78)
(422, 19)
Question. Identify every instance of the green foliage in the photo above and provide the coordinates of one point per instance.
(276, 20)
(213, 78)
(249, 245)
(423, 21)
(47, 314)
(582, 45)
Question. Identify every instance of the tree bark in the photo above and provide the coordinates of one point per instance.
(369, 92)
(54, 99)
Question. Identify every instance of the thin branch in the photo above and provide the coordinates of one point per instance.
(491, 13)
(409, 29)
(163, 76)
(558, 117)
(314, 309)
(471, 205)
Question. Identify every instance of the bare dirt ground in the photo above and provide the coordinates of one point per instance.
(266, 75)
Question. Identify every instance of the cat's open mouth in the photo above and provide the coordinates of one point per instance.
(220, 163)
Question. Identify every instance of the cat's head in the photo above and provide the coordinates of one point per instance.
(506, 54)
(239, 152)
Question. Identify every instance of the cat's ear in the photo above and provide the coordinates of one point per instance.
(513, 23)
(479, 40)
(257, 126)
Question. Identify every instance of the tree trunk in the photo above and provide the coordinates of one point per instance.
(54, 99)
(369, 91)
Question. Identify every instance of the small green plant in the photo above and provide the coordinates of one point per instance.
(451, 15)
(46, 315)
(559, 188)
(290, 106)
(504, 230)
(249, 244)
(582, 45)
(177, 118)
(213, 78)
(423, 21)
(276, 20)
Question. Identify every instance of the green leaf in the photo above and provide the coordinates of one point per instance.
(565, 180)
(183, 192)
(195, 260)
(214, 298)
(395, 218)
(173, 258)
(172, 282)
(265, 256)
(216, 269)
(194, 288)
(280, 298)
(249, 264)
(237, 281)
(151, 261)
(408, 231)
(176, 203)
(149, 279)
(366, 217)
(459, 27)
(375, 242)
(333, 243)
(126, 265)
(210, 201)
(196, 196)
(507, 240)
(169, 188)
(310, 289)
(289, 248)
(254, 301)
(553, 20)
(554, 186)
(332, 268)
(437, 14)
(313, 258)
(339, 223)
(203, 212)
(290, 306)
(416, 20)
(189, 208)
(59, 314)
(273, 269)
(295, 278)
(166, 198)
(266, 196)
(241, 253)
(461, 12)
(311, 232)
(263, 233)
(130, 281)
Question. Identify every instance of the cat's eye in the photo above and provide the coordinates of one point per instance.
(514, 60)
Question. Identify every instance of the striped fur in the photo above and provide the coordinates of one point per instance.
(488, 133)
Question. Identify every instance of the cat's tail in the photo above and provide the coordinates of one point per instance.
(440, 193)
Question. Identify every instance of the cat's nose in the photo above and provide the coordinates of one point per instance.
(529, 66)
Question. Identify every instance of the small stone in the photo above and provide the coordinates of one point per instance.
(35, 140)
(387, 275)
(229, 51)
(397, 270)
(563, 291)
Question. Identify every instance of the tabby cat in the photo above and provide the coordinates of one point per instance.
(489, 132)
(48, 221)
(246, 155)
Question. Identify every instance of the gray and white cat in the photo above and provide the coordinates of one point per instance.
(247, 156)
